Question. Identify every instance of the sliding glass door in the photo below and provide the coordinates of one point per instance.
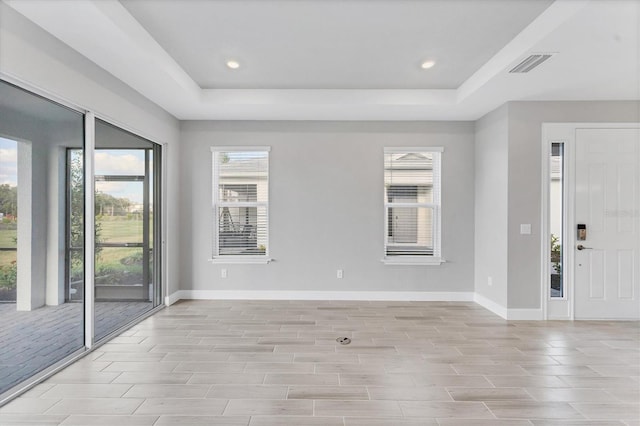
(41, 323)
(55, 162)
(127, 172)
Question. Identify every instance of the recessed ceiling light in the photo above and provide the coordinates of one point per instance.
(427, 64)
(234, 65)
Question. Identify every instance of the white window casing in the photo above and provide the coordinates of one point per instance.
(240, 204)
(412, 206)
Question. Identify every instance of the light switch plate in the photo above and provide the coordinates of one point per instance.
(525, 228)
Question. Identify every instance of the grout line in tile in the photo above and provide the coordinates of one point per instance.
(488, 409)
(56, 403)
(113, 380)
(138, 407)
(227, 406)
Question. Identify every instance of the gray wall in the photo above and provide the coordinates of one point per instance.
(491, 203)
(336, 184)
(29, 54)
(326, 211)
(525, 142)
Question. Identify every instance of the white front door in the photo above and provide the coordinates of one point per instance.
(607, 201)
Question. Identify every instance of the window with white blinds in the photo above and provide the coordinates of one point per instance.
(412, 204)
(240, 202)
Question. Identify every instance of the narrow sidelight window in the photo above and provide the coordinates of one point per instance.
(556, 219)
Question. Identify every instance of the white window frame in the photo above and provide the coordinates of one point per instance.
(216, 203)
(436, 258)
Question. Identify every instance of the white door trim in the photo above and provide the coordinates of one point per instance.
(562, 132)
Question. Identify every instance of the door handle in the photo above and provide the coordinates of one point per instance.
(581, 247)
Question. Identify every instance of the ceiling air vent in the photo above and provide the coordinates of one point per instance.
(531, 62)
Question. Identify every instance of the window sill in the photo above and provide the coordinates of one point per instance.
(413, 261)
(247, 260)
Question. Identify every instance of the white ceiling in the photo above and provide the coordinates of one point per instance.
(352, 59)
(320, 44)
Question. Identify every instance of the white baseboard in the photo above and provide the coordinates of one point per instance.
(506, 313)
(172, 298)
(525, 314)
(489, 304)
(421, 296)
(399, 296)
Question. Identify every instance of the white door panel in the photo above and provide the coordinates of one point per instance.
(607, 200)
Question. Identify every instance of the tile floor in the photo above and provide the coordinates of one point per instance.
(261, 363)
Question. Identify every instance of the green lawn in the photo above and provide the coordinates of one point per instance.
(112, 230)
(120, 230)
(112, 257)
(114, 265)
(7, 237)
(6, 257)
(119, 259)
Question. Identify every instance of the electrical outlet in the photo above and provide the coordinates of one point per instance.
(223, 273)
(340, 273)
(489, 281)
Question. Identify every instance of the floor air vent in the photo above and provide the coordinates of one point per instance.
(531, 62)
